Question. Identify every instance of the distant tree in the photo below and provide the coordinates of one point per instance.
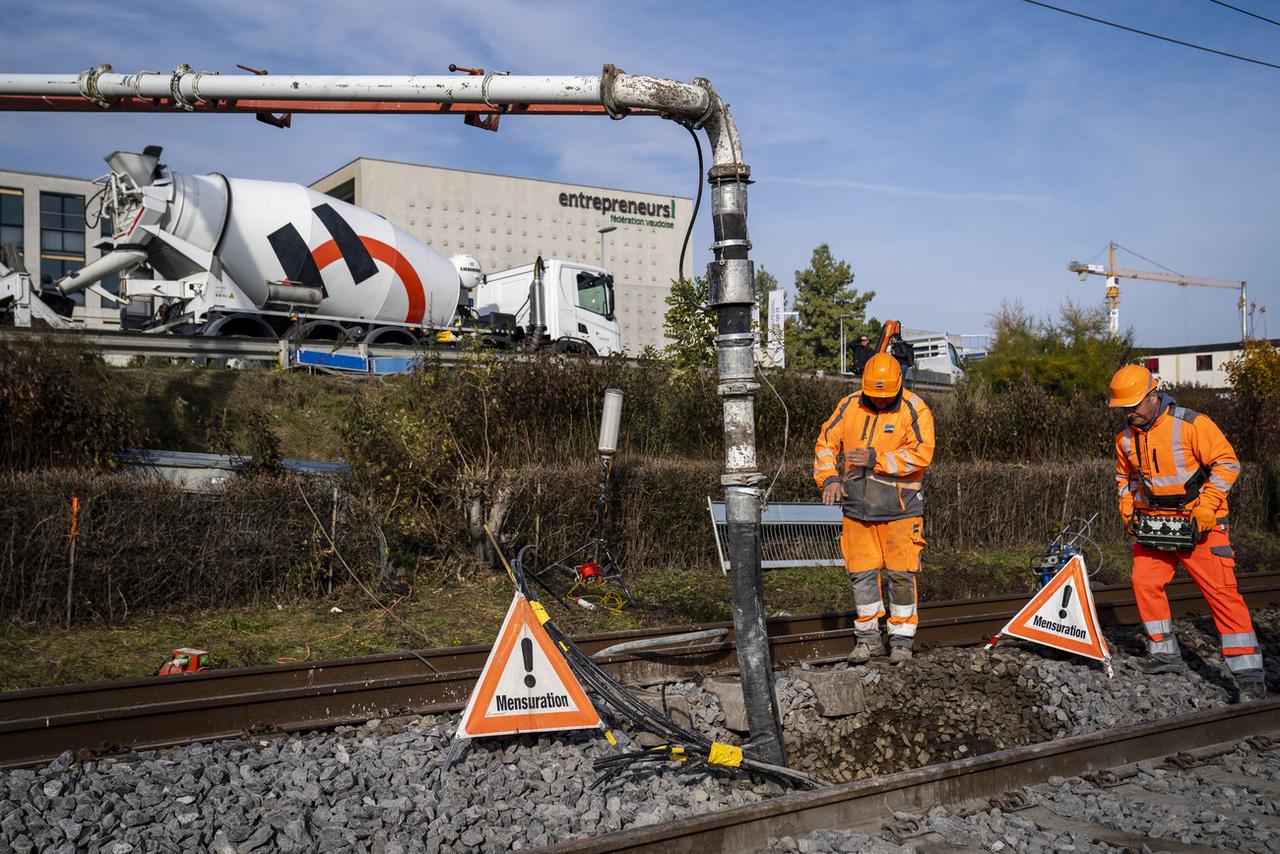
(823, 294)
(690, 325)
(1071, 354)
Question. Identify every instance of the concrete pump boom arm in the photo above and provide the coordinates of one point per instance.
(612, 92)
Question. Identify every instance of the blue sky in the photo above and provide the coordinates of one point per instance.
(956, 152)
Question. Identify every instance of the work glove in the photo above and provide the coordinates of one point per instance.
(1205, 519)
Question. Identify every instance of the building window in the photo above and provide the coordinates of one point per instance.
(1152, 364)
(61, 236)
(1204, 363)
(11, 218)
(346, 192)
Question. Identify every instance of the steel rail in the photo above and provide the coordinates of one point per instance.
(38, 724)
(871, 801)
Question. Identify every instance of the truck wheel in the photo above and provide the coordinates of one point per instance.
(569, 346)
(391, 335)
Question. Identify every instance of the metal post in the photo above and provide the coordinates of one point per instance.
(731, 282)
(1244, 313)
(844, 346)
(603, 231)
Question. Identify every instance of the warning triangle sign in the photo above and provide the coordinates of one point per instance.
(1062, 615)
(526, 685)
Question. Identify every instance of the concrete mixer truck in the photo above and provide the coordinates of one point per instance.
(264, 259)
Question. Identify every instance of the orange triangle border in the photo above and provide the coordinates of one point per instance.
(474, 722)
(1018, 627)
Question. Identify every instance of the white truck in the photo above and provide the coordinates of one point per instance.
(936, 360)
(265, 259)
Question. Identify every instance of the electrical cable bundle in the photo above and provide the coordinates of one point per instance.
(693, 750)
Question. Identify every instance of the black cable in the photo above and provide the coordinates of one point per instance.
(1244, 12)
(697, 203)
(1149, 261)
(1152, 35)
(695, 748)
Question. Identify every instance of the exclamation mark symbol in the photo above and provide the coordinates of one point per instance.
(526, 648)
(1066, 597)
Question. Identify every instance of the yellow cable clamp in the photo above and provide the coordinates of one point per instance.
(539, 611)
(724, 754)
(678, 754)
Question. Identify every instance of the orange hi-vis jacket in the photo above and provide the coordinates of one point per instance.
(901, 443)
(1181, 458)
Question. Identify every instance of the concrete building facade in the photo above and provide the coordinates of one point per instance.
(44, 217)
(506, 221)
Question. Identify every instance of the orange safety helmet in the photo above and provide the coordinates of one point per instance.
(881, 376)
(1130, 386)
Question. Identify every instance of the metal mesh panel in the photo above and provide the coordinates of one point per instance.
(790, 535)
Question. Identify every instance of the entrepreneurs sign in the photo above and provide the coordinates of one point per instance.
(624, 211)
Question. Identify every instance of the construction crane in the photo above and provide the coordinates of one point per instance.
(1114, 274)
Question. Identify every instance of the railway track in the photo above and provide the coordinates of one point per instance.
(37, 725)
(993, 779)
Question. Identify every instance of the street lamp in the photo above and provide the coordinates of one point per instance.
(603, 231)
(843, 361)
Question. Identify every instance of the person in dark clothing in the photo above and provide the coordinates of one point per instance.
(861, 352)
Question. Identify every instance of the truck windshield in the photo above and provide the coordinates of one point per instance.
(595, 293)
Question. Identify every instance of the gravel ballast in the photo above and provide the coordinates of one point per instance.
(381, 787)
(1191, 806)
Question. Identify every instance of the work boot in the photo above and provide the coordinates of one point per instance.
(863, 652)
(1152, 666)
(1250, 691)
(899, 654)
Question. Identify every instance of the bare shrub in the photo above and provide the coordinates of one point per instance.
(144, 544)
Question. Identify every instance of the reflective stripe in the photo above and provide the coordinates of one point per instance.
(1176, 448)
(873, 610)
(902, 611)
(844, 404)
(1234, 468)
(1158, 627)
(1171, 480)
(915, 420)
(1216, 480)
(826, 452)
(1244, 662)
(1125, 488)
(891, 462)
(1168, 645)
(1243, 639)
(1126, 442)
(902, 630)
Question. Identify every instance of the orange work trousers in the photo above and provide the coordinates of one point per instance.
(879, 553)
(1212, 566)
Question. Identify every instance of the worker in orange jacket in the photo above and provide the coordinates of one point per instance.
(870, 456)
(1174, 460)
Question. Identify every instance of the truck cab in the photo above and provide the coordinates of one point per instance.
(578, 300)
